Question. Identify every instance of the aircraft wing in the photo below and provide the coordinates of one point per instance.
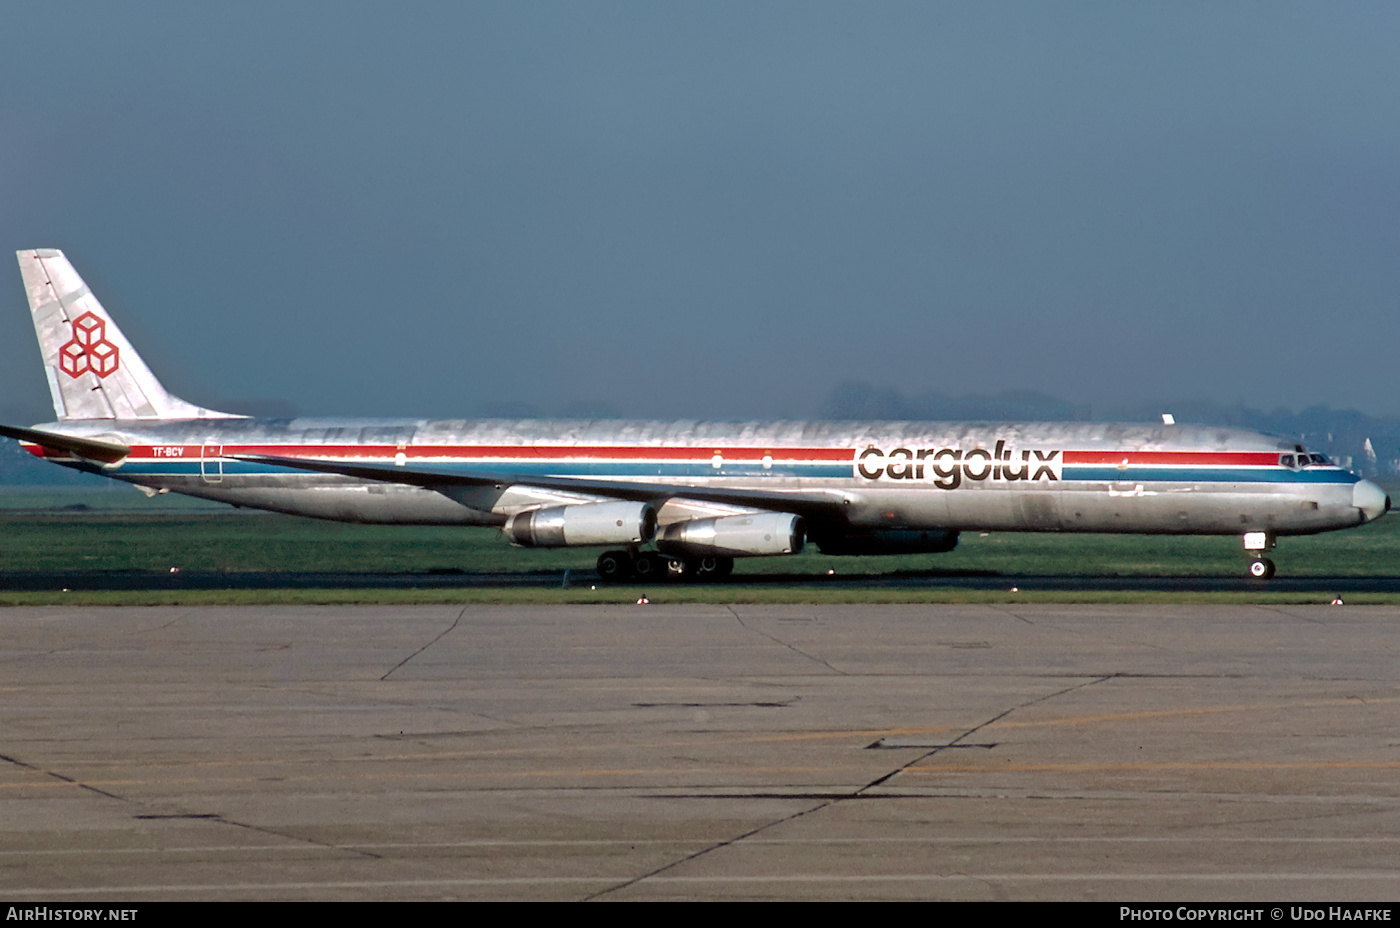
(817, 504)
(107, 452)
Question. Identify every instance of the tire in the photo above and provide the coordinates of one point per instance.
(646, 567)
(614, 566)
(709, 569)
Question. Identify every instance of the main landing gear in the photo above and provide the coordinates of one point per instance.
(622, 566)
(1255, 545)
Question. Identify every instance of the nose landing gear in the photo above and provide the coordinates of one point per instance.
(1255, 545)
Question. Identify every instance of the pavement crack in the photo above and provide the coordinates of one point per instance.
(60, 777)
(165, 626)
(446, 631)
(719, 845)
(1013, 614)
(210, 816)
(262, 830)
(953, 742)
(841, 797)
(204, 816)
(778, 641)
(830, 799)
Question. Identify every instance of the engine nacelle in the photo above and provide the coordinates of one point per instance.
(889, 541)
(757, 535)
(583, 524)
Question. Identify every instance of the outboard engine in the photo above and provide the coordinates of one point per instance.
(758, 535)
(582, 524)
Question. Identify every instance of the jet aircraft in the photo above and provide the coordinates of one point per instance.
(700, 493)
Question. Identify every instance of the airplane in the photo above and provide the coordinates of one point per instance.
(701, 493)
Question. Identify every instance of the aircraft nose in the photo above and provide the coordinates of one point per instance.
(1370, 499)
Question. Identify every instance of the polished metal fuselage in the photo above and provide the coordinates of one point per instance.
(1041, 477)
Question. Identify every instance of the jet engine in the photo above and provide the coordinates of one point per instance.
(757, 535)
(583, 524)
(889, 541)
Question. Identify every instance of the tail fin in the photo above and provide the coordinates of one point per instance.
(93, 371)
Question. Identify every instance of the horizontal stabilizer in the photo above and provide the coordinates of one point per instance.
(108, 452)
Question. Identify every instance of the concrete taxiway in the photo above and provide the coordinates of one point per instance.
(648, 752)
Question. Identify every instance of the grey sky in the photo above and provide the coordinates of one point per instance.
(714, 209)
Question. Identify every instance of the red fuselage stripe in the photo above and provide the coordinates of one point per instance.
(503, 452)
(1209, 458)
(693, 453)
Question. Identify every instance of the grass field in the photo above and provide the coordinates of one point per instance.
(123, 531)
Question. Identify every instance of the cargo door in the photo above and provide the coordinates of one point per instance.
(211, 462)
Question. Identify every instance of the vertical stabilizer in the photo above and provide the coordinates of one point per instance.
(93, 371)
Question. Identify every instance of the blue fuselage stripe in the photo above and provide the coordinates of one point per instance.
(701, 469)
(1205, 475)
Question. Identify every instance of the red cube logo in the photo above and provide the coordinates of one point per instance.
(73, 358)
(102, 358)
(88, 330)
(89, 349)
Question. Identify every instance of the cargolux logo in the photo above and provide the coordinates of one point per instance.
(89, 349)
(947, 468)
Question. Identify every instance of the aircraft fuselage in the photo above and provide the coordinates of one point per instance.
(1042, 477)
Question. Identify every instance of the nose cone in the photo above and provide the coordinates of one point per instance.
(1370, 499)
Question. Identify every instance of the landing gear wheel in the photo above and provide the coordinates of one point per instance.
(706, 569)
(646, 567)
(679, 569)
(1261, 568)
(614, 566)
(713, 568)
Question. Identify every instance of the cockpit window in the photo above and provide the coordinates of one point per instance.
(1303, 459)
